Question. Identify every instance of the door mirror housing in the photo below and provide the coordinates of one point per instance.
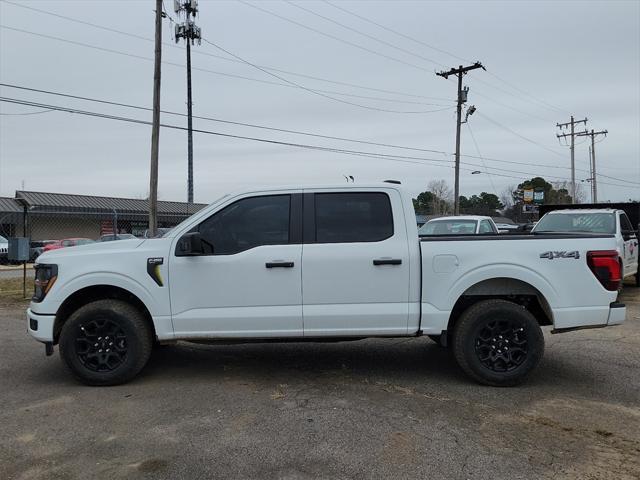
(190, 244)
(627, 234)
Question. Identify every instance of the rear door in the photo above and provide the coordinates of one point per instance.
(630, 247)
(355, 264)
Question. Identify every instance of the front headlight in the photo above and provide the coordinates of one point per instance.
(46, 275)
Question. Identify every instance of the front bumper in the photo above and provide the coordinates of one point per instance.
(40, 326)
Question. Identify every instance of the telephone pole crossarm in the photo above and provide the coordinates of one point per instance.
(572, 135)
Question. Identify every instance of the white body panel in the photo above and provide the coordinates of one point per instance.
(575, 296)
(236, 295)
(332, 289)
(346, 294)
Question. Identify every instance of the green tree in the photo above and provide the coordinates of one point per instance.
(423, 203)
(483, 204)
(558, 194)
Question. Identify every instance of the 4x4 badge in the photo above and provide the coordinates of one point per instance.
(551, 255)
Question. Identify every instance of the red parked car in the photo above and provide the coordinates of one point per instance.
(67, 242)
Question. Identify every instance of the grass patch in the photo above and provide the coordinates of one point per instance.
(11, 294)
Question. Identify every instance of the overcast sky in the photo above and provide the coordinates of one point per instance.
(544, 60)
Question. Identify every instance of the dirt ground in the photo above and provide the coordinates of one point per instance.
(355, 410)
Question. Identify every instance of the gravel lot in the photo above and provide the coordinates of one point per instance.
(366, 409)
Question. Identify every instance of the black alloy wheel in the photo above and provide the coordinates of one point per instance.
(497, 342)
(101, 345)
(106, 342)
(501, 345)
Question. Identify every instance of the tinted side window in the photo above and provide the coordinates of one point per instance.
(353, 217)
(247, 223)
(485, 227)
(625, 224)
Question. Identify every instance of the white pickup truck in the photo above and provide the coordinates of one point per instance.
(316, 264)
(601, 220)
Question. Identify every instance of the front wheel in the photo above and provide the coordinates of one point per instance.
(106, 342)
(498, 343)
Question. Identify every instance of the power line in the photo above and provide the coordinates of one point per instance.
(294, 132)
(315, 91)
(140, 57)
(382, 156)
(113, 30)
(140, 37)
(26, 113)
(403, 158)
(420, 42)
(371, 37)
(545, 104)
(264, 127)
(368, 20)
(483, 162)
(328, 35)
(521, 136)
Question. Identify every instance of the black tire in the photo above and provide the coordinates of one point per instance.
(106, 342)
(497, 342)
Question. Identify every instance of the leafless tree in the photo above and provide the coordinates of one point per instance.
(442, 197)
(506, 197)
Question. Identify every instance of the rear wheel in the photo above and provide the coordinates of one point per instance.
(106, 342)
(497, 342)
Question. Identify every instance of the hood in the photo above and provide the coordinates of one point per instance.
(116, 246)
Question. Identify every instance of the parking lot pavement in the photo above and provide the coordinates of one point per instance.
(397, 408)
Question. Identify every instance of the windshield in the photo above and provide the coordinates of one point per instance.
(577, 222)
(3, 240)
(448, 227)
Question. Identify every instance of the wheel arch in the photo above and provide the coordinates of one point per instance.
(507, 288)
(92, 293)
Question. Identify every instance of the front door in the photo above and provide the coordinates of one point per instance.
(355, 264)
(247, 282)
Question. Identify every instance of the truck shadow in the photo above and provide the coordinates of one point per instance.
(409, 359)
(414, 361)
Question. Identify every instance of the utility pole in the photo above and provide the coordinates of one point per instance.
(190, 32)
(155, 129)
(573, 134)
(594, 182)
(462, 98)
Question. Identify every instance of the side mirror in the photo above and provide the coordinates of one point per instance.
(627, 234)
(190, 244)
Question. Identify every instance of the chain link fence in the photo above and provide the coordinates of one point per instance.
(54, 227)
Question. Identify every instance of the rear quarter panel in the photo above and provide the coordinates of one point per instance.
(451, 266)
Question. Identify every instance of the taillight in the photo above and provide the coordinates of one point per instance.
(605, 266)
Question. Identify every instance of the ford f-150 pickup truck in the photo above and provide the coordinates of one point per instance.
(323, 263)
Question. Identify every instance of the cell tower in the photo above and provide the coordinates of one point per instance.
(190, 32)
